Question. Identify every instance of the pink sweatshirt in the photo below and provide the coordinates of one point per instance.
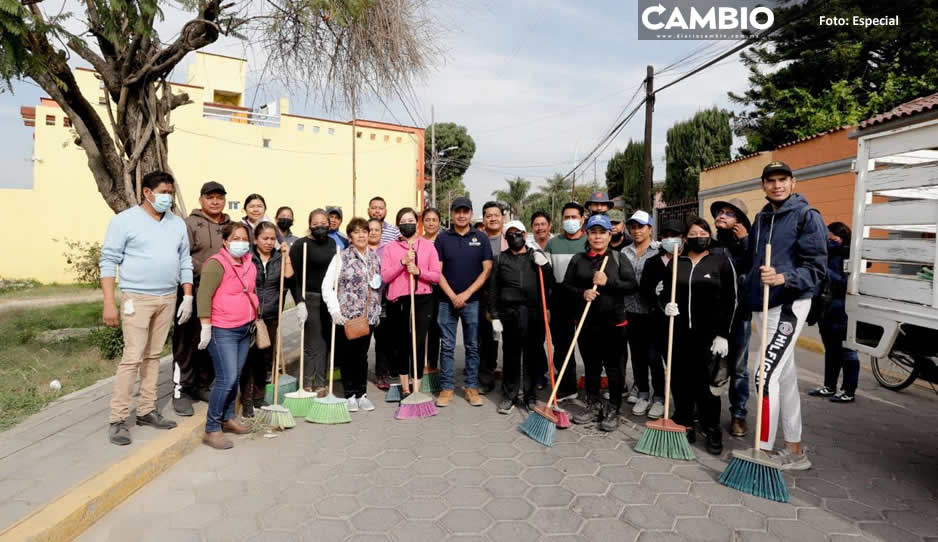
(394, 274)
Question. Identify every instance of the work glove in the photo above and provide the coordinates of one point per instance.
(497, 329)
(671, 309)
(205, 336)
(540, 258)
(185, 310)
(659, 288)
(720, 347)
(337, 318)
(301, 313)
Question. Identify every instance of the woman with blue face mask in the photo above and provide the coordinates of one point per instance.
(228, 306)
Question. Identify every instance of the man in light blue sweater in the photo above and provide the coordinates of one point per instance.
(151, 246)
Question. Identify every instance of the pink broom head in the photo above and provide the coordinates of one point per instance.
(563, 419)
(415, 411)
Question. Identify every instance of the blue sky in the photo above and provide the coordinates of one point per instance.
(534, 81)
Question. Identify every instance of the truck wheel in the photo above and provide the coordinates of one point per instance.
(895, 372)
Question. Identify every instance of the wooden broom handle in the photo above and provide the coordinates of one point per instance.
(762, 344)
(550, 353)
(279, 352)
(667, 377)
(413, 325)
(576, 335)
(302, 327)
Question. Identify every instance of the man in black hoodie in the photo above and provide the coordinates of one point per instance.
(514, 298)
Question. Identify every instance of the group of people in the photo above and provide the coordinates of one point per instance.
(502, 284)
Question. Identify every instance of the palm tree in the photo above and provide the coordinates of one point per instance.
(515, 197)
(554, 193)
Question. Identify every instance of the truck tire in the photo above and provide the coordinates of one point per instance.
(895, 372)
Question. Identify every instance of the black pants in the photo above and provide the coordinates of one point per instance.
(433, 334)
(523, 339)
(384, 344)
(690, 379)
(399, 317)
(315, 347)
(196, 371)
(488, 349)
(601, 345)
(562, 326)
(354, 362)
(258, 365)
(645, 357)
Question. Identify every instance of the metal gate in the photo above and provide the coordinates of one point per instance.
(680, 211)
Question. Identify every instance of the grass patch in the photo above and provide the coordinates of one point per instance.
(31, 289)
(27, 367)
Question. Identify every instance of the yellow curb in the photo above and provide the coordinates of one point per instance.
(79, 507)
(811, 344)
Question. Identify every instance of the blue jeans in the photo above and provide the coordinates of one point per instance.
(739, 365)
(837, 357)
(229, 350)
(448, 319)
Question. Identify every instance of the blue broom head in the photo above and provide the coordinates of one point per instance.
(756, 474)
(393, 394)
(539, 428)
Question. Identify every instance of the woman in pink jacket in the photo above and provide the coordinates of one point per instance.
(410, 255)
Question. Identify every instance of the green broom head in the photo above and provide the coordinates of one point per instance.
(299, 402)
(430, 383)
(280, 417)
(393, 394)
(540, 425)
(329, 410)
(664, 438)
(287, 384)
(757, 474)
(416, 405)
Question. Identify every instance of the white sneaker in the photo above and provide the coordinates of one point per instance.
(633, 396)
(568, 397)
(657, 410)
(641, 407)
(365, 403)
(792, 461)
(352, 404)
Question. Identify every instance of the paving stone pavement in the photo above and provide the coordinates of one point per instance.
(468, 474)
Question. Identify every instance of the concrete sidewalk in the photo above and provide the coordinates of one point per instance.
(66, 443)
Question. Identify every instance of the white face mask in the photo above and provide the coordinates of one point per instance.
(571, 226)
(238, 248)
(669, 244)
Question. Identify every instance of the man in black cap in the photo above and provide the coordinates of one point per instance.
(466, 260)
(193, 372)
(599, 203)
(732, 239)
(335, 222)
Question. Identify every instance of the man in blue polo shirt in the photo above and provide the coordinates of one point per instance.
(466, 258)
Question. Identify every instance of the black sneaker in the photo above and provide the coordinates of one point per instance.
(118, 433)
(529, 405)
(247, 409)
(691, 434)
(842, 397)
(715, 441)
(155, 419)
(592, 414)
(823, 391)
(183, 405)
(610, 420)
(485, 388)
(204, 394)
(505, 406)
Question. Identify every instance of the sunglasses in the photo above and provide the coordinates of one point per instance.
(727, 213)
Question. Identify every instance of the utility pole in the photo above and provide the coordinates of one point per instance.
(576, 150)
(432, 159)
(649, 108)
(354, 174)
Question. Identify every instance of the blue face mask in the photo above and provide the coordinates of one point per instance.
(162, 202)
(238, 248)
(571, 226)
(669, 244)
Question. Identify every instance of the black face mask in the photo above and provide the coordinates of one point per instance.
(408, 230)
(616, 237)
(515, 241)
(320, 233)
(284, 223)
(698, 244)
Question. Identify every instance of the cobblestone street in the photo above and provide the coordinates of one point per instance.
(469, 474)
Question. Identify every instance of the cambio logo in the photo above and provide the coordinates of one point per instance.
(692, 19)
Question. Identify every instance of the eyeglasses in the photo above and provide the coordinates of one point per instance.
(727, 213)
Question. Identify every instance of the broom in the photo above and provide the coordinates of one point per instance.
(275, 415)
(299, 402)
(330, 409)
(417, 404)
(664, 438)
(755, 472)
(430, 383)
(393, 394)
(541, 425)
(563, 419)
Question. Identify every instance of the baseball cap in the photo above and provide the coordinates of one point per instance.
(334, 210)
(599, 197)
(641, 217)
(776, 167)
(672, 226)
(213, 187)
(462, 202)
(616, 215)
(516, 224)
(599, 220)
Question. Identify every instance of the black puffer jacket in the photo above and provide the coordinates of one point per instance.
(514, 281)
(706, 295)
(268, 283)
(609, 308)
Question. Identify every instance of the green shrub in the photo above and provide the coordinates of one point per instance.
(109, 341)
(82, 258)
(17, 285)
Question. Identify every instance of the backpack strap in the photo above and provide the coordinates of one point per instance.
(804, 218)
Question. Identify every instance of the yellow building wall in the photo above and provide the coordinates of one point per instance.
(221, 73)
(303, 169)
